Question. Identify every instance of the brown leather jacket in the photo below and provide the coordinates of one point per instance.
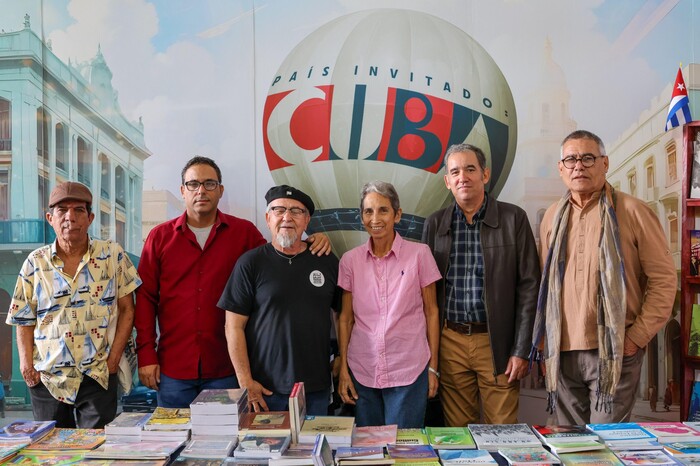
(511, 274)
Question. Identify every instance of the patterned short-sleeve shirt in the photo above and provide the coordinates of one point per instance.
(71, 315)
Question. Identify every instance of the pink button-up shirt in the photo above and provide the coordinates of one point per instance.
(388, 344)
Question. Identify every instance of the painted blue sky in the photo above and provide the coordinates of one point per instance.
(198, 72)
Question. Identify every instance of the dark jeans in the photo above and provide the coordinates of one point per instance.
(94, 406)
(179, 393)
(404, 406)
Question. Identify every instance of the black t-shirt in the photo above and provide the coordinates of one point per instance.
(288, 305)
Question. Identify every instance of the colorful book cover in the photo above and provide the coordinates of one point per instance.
(220, 401)
(635, 457)
(135, 450)
(670, 431)
(492, 437)
(169, 416)
(590, 458)
(322, 453)
(620, 431)
(683, 448)
(374, 436)
(265, 423)
(450, 438)
(297, 409)
(411, 437)
(563, 433)
(454, 457)
(69, 439)
(335, 426)
(694, 337)
(200, 448)
(25, 429)
(127, 423)
(528, 455)
(54, 459)
(694, 407)
(694, 252)
(403, 453)
(267, 446)
(568, 447)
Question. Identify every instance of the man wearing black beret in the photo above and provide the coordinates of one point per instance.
(279, 298)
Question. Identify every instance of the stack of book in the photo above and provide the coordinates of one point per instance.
(126, 427)
(25, 431)
(298, 454)
(337, 430)
(216, 414)
(168, 425)
(667, 432)
(625, 436)
(495, 437)
(218, 449)
(61, 446)
(567, 439)
(450, 438)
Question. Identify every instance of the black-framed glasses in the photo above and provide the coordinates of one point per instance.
(587, 160)
(279, 211)
(209, 185)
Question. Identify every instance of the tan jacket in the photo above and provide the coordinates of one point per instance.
(650, 274)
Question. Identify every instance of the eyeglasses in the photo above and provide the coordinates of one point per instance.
(279, 211)
(587, 160)
(209, 185)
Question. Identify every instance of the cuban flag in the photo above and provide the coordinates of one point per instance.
(679, 109)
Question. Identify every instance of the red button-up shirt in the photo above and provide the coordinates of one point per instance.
(181, 285)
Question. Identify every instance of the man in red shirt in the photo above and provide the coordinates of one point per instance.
(185, 264)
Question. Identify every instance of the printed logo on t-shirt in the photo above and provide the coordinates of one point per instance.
(317, 279)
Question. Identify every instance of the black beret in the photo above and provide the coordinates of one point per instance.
(289, 192)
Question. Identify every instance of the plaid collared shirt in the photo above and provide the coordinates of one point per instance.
(464, 284)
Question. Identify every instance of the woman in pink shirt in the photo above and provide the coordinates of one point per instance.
(389, 326)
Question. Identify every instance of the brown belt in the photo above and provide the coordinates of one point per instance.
(468, 328)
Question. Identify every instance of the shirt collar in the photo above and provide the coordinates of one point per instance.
(479, 215)
(181, 221)
(395, 246)
(54, 251)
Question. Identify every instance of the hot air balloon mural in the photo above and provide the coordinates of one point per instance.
(381, 94)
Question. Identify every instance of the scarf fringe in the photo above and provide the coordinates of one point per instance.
(551, 402)
(604, 401)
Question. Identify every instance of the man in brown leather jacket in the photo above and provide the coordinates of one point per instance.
(488, 258)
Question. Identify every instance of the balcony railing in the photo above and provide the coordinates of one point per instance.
(5, 144)
(36, 231)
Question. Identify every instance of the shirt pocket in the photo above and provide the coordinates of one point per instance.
(102, 299)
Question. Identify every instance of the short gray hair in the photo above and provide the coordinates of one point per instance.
(383, 188)
(457, 148)
(583, 134)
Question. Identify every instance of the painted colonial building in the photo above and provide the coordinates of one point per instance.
(647, 162)
(60, 121)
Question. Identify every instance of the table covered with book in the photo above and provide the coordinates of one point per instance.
(218, 429)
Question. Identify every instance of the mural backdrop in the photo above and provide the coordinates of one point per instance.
(326, 95)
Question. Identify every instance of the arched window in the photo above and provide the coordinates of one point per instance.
(61, 148)
(5, 125)
(84, 159)
(120, 186)
(43, 125)
(105, 177)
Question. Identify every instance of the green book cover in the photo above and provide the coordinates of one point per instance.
(450, 437)
(694, 340)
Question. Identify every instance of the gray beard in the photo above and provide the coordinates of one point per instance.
(287, 239)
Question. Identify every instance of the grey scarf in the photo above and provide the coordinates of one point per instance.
(611, 310)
